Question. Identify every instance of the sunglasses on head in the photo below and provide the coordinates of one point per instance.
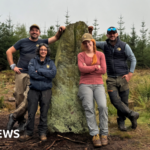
(112, 29)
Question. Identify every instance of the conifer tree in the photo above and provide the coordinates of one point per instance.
(121, 27)
(67, 19)
(142, 46)
(133, 40)
(57, 25)
(95, 30)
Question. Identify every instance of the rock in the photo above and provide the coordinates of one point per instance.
(66, 113)
(11, 99)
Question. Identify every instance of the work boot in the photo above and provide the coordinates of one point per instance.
(24, 138)
(104, 139)
(96, 141)
(43, 137)
(133, 118)
(121, 125)
(11, 122)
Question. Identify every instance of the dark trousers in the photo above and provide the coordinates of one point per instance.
(44, 98)
(118, 91)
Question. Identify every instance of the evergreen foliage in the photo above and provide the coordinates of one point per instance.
(121, 28)
(95, 30)
(67, 19)
(10, 34)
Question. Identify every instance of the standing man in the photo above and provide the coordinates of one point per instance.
(27, 49)
(116, 54)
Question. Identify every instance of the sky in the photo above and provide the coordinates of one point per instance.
(46, 12)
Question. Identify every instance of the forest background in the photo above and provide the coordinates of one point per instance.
(10, 33)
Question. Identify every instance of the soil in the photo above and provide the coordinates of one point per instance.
(115, 142)
(138, 139)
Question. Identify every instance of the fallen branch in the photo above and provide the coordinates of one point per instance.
(71, 139)
(52, 144)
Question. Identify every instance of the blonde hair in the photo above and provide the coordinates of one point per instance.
(94, 59)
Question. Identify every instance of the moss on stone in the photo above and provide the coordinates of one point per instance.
(66, 113)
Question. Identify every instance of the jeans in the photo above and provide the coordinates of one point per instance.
(87, 93)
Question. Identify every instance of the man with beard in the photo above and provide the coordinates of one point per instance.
(27, 49)
(116, 54)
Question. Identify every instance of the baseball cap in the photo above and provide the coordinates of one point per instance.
(111, 29)
(87, 37)
(34, 25)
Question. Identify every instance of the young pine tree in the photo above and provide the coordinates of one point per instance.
(95, 30)
(133, 40)
(67, 19)
(142, 44)
(121, 27)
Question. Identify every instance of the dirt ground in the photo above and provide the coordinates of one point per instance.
(138, 139)
(116, 142)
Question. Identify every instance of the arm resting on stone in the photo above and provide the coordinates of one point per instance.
(102, 70)
(85, 69)
(48, 73)
(32, 72)
(100, 44)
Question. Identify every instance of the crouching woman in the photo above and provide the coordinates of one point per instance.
(41, 70)
(92, 65)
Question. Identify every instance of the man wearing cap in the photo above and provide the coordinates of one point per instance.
(27, 48)
(116, 53)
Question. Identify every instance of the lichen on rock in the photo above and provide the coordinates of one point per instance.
(66, 113)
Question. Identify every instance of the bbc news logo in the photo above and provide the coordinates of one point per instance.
(9, 134)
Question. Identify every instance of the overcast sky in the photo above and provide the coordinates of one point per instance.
(107, 12)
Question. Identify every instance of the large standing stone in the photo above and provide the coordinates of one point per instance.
(66, 113)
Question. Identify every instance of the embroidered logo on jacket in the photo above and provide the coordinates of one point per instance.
(48, 66)
(37, 45)
(119, 49)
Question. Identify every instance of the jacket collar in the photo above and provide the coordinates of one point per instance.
(44, 62)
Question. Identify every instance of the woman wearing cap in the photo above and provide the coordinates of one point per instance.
(92, 65)
(41, 70)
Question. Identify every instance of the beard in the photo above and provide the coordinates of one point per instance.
(34, 38)
(115, 40)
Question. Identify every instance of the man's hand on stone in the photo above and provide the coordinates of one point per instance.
(60, 31)
(17, 70)
(62, 28)
(128, 76)
(90, 28)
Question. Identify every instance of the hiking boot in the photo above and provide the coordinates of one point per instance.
(43, 137)
(96, 141)
(104, 139)
(24, 138)
(22, 126)
(121, 125)
(133, 118)
(11, 122)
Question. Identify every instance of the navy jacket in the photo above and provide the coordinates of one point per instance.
(46, 71)
(116, 58)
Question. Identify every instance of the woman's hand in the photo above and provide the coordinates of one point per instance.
(99, 66)
(84, 64)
